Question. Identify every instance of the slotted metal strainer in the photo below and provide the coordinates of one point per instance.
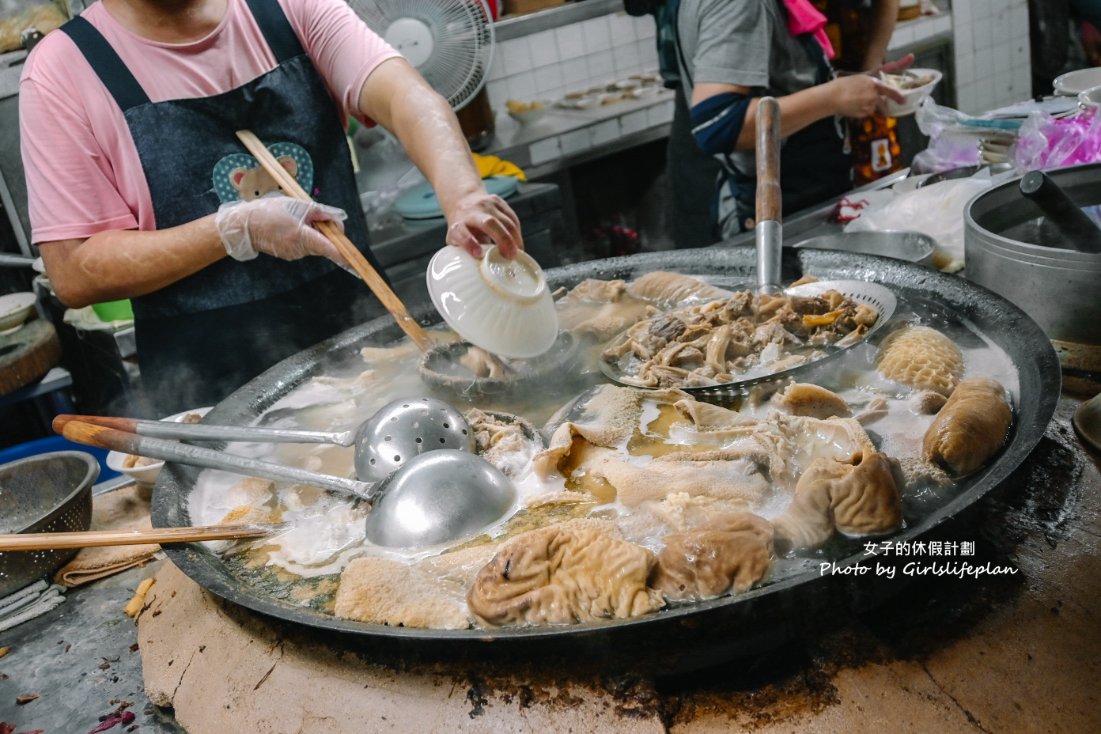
(769, 239)
(438, 491)
(398, 431)
(406, 428)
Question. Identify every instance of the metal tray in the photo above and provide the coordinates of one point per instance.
(686, 637)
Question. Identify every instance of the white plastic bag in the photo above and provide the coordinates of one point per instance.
(935, 210)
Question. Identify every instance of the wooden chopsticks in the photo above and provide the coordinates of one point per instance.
(343, 245)
(98, 538)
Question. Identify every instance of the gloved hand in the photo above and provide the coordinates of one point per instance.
(279, 226)
(480, 218)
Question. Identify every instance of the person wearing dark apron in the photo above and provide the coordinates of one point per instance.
(204, 335)
(815, 162)
(732, 53)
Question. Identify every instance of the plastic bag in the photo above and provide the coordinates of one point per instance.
(935, 210)
(948, 147)
(1047, 142)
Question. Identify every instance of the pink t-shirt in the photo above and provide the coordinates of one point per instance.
(83, 171)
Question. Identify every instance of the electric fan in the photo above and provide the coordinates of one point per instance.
(450, 42)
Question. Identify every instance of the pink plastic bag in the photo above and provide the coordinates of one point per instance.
(1045, 142)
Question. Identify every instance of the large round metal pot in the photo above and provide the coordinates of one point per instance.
(676, 638)
(1056, 287)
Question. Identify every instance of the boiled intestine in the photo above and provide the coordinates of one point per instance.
(731, 553)
(857, 497)
(743, 335)
(811, 400)
(970, 428)
(668, 289)
(569, 572)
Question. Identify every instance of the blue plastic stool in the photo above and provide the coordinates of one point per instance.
(57, 443)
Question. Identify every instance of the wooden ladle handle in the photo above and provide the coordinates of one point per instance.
(769, 197)
(156, 448)
(344, 246)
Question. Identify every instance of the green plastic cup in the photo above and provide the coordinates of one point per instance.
(114, 310)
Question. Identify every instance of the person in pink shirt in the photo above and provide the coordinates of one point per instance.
(138, 187)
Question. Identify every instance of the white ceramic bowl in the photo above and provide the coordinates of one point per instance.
(530, 115)
(146, 475)
(500, 305)
(1076, 82)
(15, 308)
(913, 97)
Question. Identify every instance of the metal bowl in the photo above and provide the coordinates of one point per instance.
(913, 247)
(1056, 286)
(43, 494)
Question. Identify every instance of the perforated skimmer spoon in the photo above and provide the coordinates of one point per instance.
(397, 432)
(416, 501)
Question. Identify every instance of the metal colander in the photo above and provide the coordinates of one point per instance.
(43, 494)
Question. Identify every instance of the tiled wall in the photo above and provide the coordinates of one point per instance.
(572, 58)
(992, 53)
(910, 32)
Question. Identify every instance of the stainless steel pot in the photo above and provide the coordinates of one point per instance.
(1057, 287)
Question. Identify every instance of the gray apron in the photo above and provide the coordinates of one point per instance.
(203, 336)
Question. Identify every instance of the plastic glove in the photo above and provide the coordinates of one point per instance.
(279, 226)
(480, 218)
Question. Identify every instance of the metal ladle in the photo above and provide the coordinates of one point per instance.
(433, 497)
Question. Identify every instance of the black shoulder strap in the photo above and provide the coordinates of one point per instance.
(674, 19)
(106, 63)
(276, 28)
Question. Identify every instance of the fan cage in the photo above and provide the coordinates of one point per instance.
(462, 35)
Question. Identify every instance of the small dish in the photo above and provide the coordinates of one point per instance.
(913, 96)
(1090, 99)
(1075, 82)
(526, 112)
(501, 305)
(578, 102)
(146, 471)
(15, 308)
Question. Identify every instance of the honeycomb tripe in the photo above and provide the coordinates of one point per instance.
(922, 358)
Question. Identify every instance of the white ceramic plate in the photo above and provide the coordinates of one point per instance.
(1076, 82)
(146, 475)
(503, 306)
(15, 308)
